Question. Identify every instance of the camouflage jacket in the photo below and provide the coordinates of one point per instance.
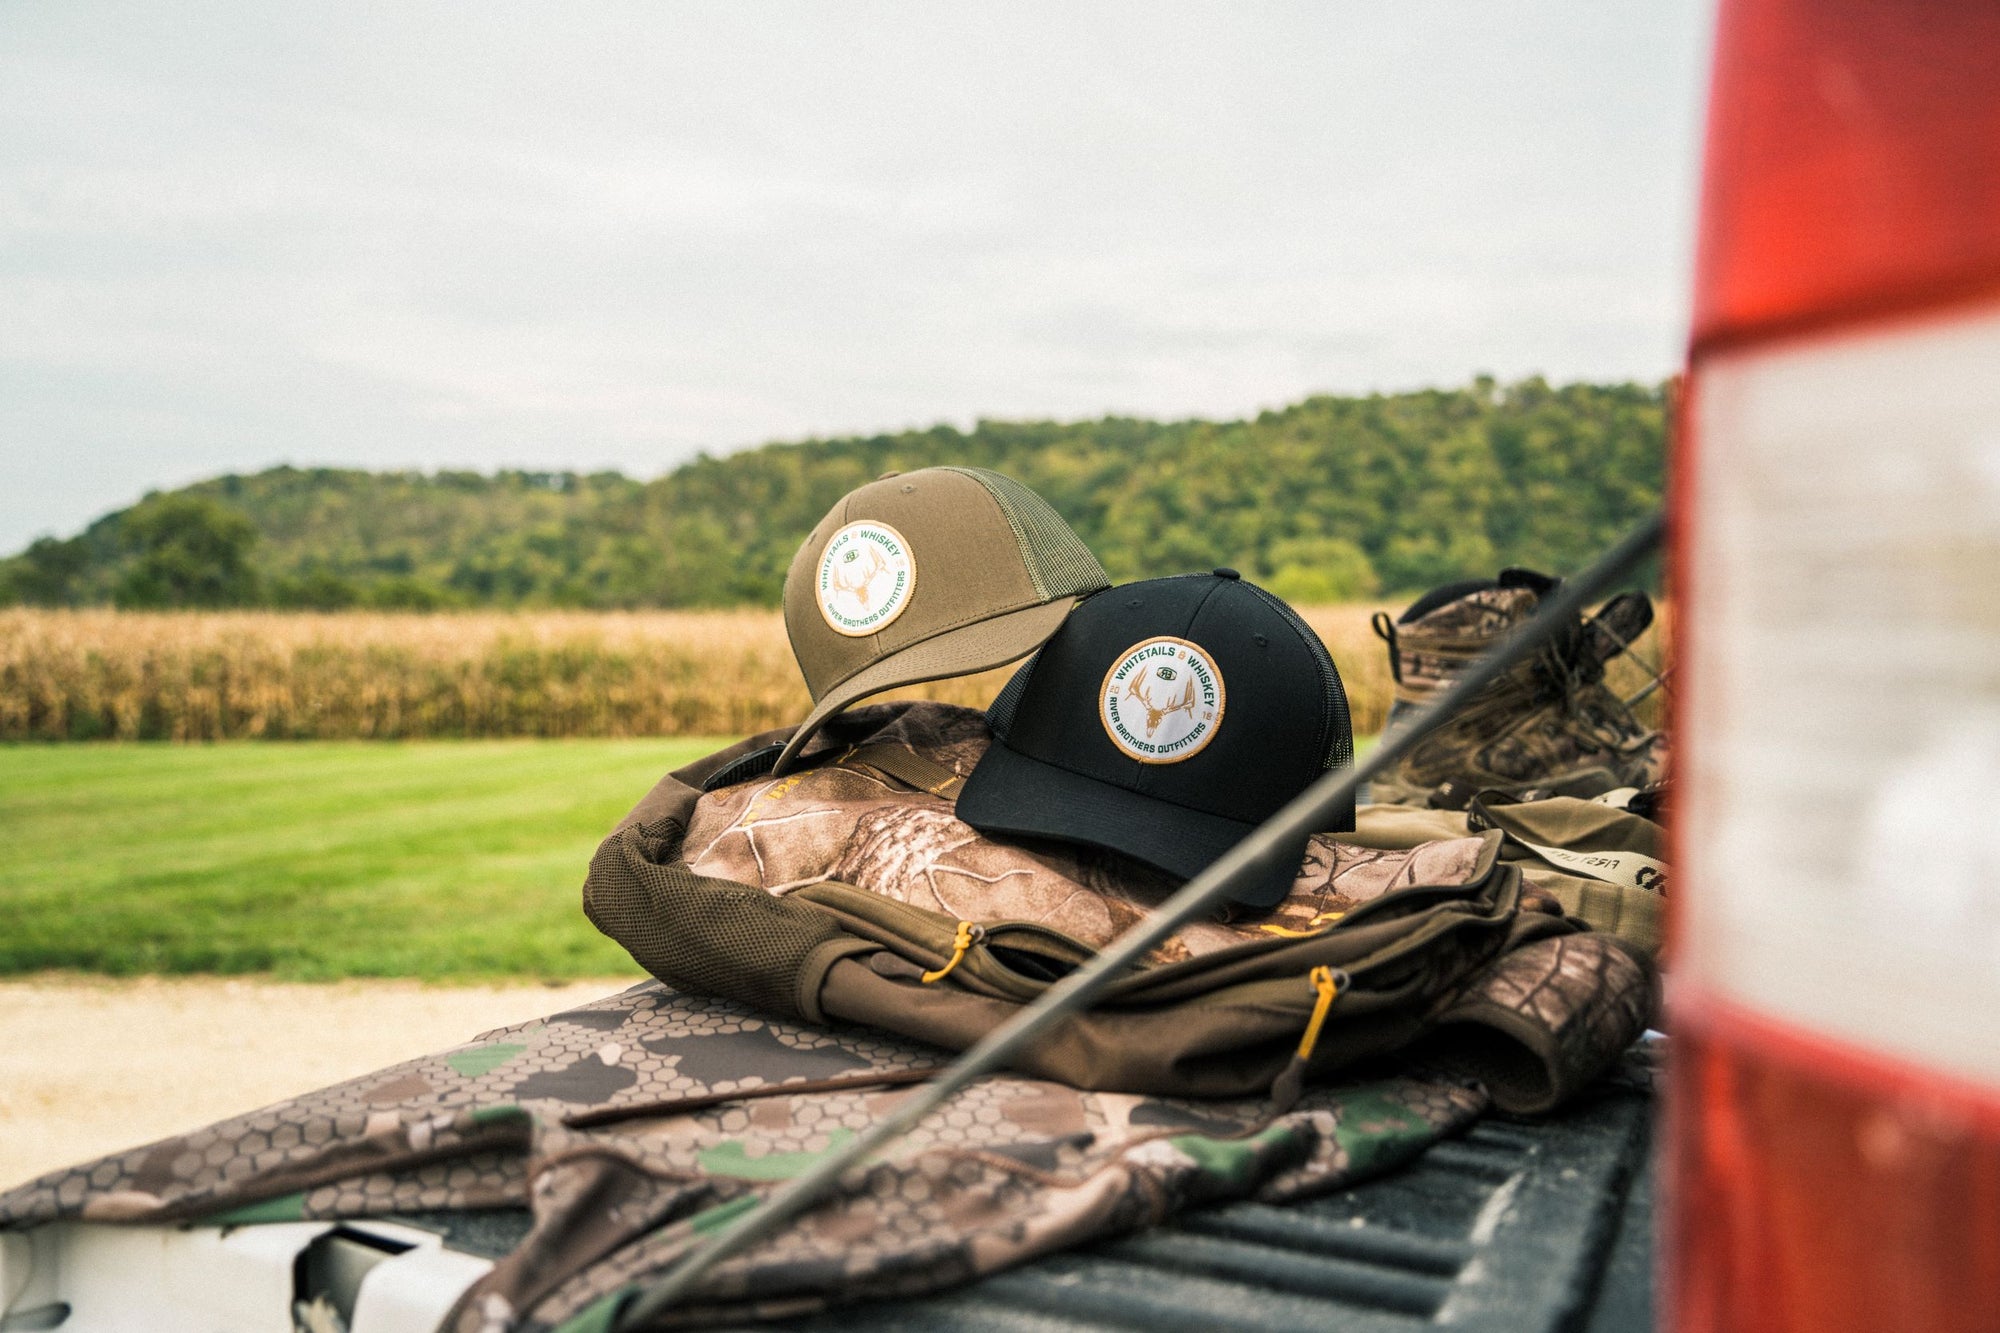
(634, 1126)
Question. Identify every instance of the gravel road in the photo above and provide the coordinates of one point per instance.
(89, 1065)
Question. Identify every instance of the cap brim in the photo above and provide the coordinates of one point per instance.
(980, 646)
(1009, 793)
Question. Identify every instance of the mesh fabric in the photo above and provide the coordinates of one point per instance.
(1000, 713)
(1059, 564)
(697, 933)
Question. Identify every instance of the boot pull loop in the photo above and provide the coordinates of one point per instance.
(1385, 629)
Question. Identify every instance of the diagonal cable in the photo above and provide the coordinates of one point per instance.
(1270, 842)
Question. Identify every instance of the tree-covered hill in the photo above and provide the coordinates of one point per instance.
(1327, 499)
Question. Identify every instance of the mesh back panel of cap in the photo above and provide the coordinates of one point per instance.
(1000, 713)
(698, 933)
(1059, 564)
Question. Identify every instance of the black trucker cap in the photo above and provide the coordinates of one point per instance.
(1165, 720)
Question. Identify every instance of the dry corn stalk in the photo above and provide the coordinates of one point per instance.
(109, 675)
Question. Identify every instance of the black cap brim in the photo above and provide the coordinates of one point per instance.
(1009, 793)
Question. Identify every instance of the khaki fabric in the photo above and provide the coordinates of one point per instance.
(1572, 824)
(1219, 1010)
(1635, 915)
(1393, 826)
(967, 565)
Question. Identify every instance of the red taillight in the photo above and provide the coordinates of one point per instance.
(1834, 1125)
(1877, 1207)
(1853, 162)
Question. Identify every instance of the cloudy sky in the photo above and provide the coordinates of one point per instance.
(612, 235)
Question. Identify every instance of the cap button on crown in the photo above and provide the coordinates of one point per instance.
(1225, 572)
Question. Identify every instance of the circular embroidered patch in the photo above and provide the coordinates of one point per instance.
(866, 576)
(1162, 701)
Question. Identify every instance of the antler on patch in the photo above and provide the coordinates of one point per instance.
(1155, 713)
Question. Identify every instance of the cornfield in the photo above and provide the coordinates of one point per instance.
(108, 675)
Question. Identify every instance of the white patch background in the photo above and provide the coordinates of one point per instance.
(866, 577)
(1162, 701)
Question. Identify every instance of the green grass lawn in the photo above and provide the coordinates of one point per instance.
(316, 860)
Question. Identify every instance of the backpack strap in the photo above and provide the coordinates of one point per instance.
(907, 767)
(899, 762)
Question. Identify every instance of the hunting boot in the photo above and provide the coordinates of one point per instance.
(1549, 726)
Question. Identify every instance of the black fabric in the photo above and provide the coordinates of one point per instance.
(1438, 596)
(753, 765)
(1536, 582)
(1026, 797)
(1336, 724)
(1284, 721)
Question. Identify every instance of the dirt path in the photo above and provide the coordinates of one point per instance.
(89, 1065)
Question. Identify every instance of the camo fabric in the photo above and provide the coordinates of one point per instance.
(1550, 724)
(1575, 1006)
(634, 1126)
(1636, 915)
(855, 825)
(865, 835)
(1433, 651)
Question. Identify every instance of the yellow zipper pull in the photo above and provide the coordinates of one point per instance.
(967, 934)
(1328, 983)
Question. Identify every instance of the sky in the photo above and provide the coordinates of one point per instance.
(412, 235)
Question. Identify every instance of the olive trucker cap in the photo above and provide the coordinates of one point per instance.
(922, 575)
(1165, 721)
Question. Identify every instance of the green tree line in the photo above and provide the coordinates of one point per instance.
(1328, 499)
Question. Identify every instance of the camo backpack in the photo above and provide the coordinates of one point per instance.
(847, 891)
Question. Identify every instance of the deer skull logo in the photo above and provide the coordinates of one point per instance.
(1168, 702)
(866, 577)
(1162, 700)
(857, 569)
